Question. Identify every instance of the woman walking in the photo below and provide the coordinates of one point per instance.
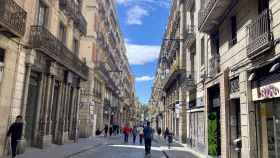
(141, 134)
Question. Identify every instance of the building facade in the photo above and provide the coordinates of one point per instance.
(108, 93)
(46, 69)
(232, 58)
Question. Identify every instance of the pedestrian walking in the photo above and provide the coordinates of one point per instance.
(159, 131)
(111, 130)
(106, 130)
(141, 134)
(126, 131)
(166, 133)
(148, 136)
(134, 133)
(15, 131)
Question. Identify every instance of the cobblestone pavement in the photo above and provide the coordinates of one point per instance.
(112, 147)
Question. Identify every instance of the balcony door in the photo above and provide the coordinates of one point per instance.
(263, 5)
(42, 18)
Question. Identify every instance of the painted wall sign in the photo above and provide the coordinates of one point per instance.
(266, 92)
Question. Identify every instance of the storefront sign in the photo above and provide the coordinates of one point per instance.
(266, 92)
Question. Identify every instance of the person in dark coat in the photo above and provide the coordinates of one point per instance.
(15, 131)
(106, 130)
(111, 130)
(148, 136)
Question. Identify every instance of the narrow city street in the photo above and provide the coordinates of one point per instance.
(110, 147)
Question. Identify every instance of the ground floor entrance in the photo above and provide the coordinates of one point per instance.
(268, 125)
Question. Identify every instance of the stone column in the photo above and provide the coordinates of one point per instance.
(247, 116)
(37, 133)
(58, 112)
(46, 109)
(50, 108)
(72, 112)
(224, 114)
(77, 115)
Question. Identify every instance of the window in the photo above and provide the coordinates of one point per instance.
(76, 46)
(62, 33)
(202, 52)
(202, 3)
(2, 55)
(42, 14)
(233, 27)
(215, 43)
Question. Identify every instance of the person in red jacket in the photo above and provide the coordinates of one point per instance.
(126, 131)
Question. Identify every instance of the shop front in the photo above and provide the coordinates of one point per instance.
(266, 97)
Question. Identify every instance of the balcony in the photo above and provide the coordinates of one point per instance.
(189, 4)
(189, 80)
(12, 19)
(107, 77)
(41, 39)
(260, 37)
(72, 9)
(190, 35)
(214, 66)
(210, 16)
(81, 23)
(173, 75)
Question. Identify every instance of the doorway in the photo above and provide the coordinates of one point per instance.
(269, 128)
(235, 128)
(31, 108)
(214, 129)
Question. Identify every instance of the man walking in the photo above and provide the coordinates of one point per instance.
(106, 130)
(134, 133)
(148, 136)
(126, 131)
(15, 131)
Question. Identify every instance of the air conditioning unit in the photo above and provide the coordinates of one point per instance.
(1, 71)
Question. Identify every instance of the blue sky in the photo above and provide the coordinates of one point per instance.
(143, 23)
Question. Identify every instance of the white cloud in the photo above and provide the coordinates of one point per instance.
(144, 78)
(135, 15)
(142, 54)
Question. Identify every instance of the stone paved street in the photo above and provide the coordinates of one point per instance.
(112, 147)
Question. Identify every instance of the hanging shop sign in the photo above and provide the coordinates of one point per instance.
(266, 92)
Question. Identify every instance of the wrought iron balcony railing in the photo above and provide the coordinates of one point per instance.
(209, 15)
(72, 9)
(214, 66)
(189, 4)
(260, 37)
(81, 23)
(190, 35)
(41, 39)
(12, 18)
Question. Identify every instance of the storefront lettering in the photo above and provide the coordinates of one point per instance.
(268, 92)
